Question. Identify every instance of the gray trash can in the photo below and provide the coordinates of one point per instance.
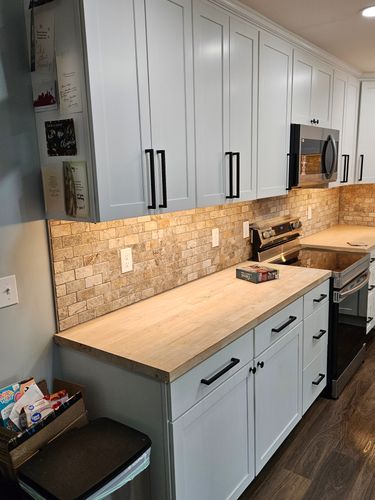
(103, 460)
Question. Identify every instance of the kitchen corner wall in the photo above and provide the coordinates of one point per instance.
(357, 205)
(168, 250)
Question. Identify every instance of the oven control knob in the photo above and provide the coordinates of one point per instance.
(296, 225)
(272, 232)
(266, 235)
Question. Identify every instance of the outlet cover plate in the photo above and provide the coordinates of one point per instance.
(246, 229)
(215, 237)
(126, 260)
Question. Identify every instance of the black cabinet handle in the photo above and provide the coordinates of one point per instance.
(369, 320)
(260, 364)
(313, 121)
(238, 168)
(372, 260)
(284, 325)
(209, 381)
(161, 152)
(230, 154)
(346, 167)
(253, 370)
(317, 122)
(319, 379)
(320, 334)
(371, 288)
(322, 297)
(361, 167)
(152, 178)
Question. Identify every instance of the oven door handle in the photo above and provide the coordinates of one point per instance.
(361, 284)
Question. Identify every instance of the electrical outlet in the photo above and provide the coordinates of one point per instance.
(215, 237)
(126, 260)
(246, 229)
(309, 212)
(8, 291)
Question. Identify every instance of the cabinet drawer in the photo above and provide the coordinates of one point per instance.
(315, 334)
(274, 328)
(313, 380)
(188, 389)
(315, 298)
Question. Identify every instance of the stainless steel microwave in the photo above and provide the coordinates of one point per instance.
(313, 156)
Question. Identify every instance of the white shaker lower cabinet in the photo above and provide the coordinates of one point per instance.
(274, 111)
(211, 452)
(278, 406)
(216, 426)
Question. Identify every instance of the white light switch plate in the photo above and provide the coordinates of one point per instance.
(309, 212)
(215, 237)
(126, 260)
(8, 291)
(246, 229)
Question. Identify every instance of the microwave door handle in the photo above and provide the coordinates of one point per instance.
(332, 140)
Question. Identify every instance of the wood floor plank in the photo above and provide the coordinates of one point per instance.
(284, 485)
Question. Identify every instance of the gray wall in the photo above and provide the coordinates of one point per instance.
(25, 329)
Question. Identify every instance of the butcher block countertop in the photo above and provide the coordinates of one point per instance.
(167, 335)
(337, 238)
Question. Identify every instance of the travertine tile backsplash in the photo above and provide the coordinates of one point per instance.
(357, 205)
(168, 250)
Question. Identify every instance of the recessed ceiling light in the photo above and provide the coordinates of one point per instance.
(369, 11)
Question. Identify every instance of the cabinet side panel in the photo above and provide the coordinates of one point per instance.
(127, 397)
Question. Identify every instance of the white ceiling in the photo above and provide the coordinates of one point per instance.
(334, 25)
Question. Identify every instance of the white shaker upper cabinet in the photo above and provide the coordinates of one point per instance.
(243, 105)
(140, 72)
(167, 103)
(366, 134)
(275, 83)
(114, 98)
(345, 119)
(225, 91)
(312, 91)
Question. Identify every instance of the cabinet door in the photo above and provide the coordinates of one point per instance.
(243, 104)
(213, 443)
(366, 143)
(303, 69)
(168, 26)
(321, 99)
(274, 105)
(114, 98)
(312, 90)
(278, 394)
(349, 136)
(211, 42)
(338, 110)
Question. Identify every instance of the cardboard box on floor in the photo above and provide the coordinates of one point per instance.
(74, 416)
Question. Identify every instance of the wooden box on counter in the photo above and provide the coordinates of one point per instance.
(11, 458)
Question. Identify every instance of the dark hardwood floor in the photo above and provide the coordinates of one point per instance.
(331, 453)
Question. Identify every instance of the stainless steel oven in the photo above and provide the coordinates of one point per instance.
(313, 156)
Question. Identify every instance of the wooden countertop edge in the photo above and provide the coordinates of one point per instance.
(167, 377)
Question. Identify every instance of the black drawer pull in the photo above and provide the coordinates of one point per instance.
(322, 297)
(371, 288)
(284, 325)
(320, 334)
(253, 370)
(260, 364)
(319, 379)
(209, 381)
(369, 320)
